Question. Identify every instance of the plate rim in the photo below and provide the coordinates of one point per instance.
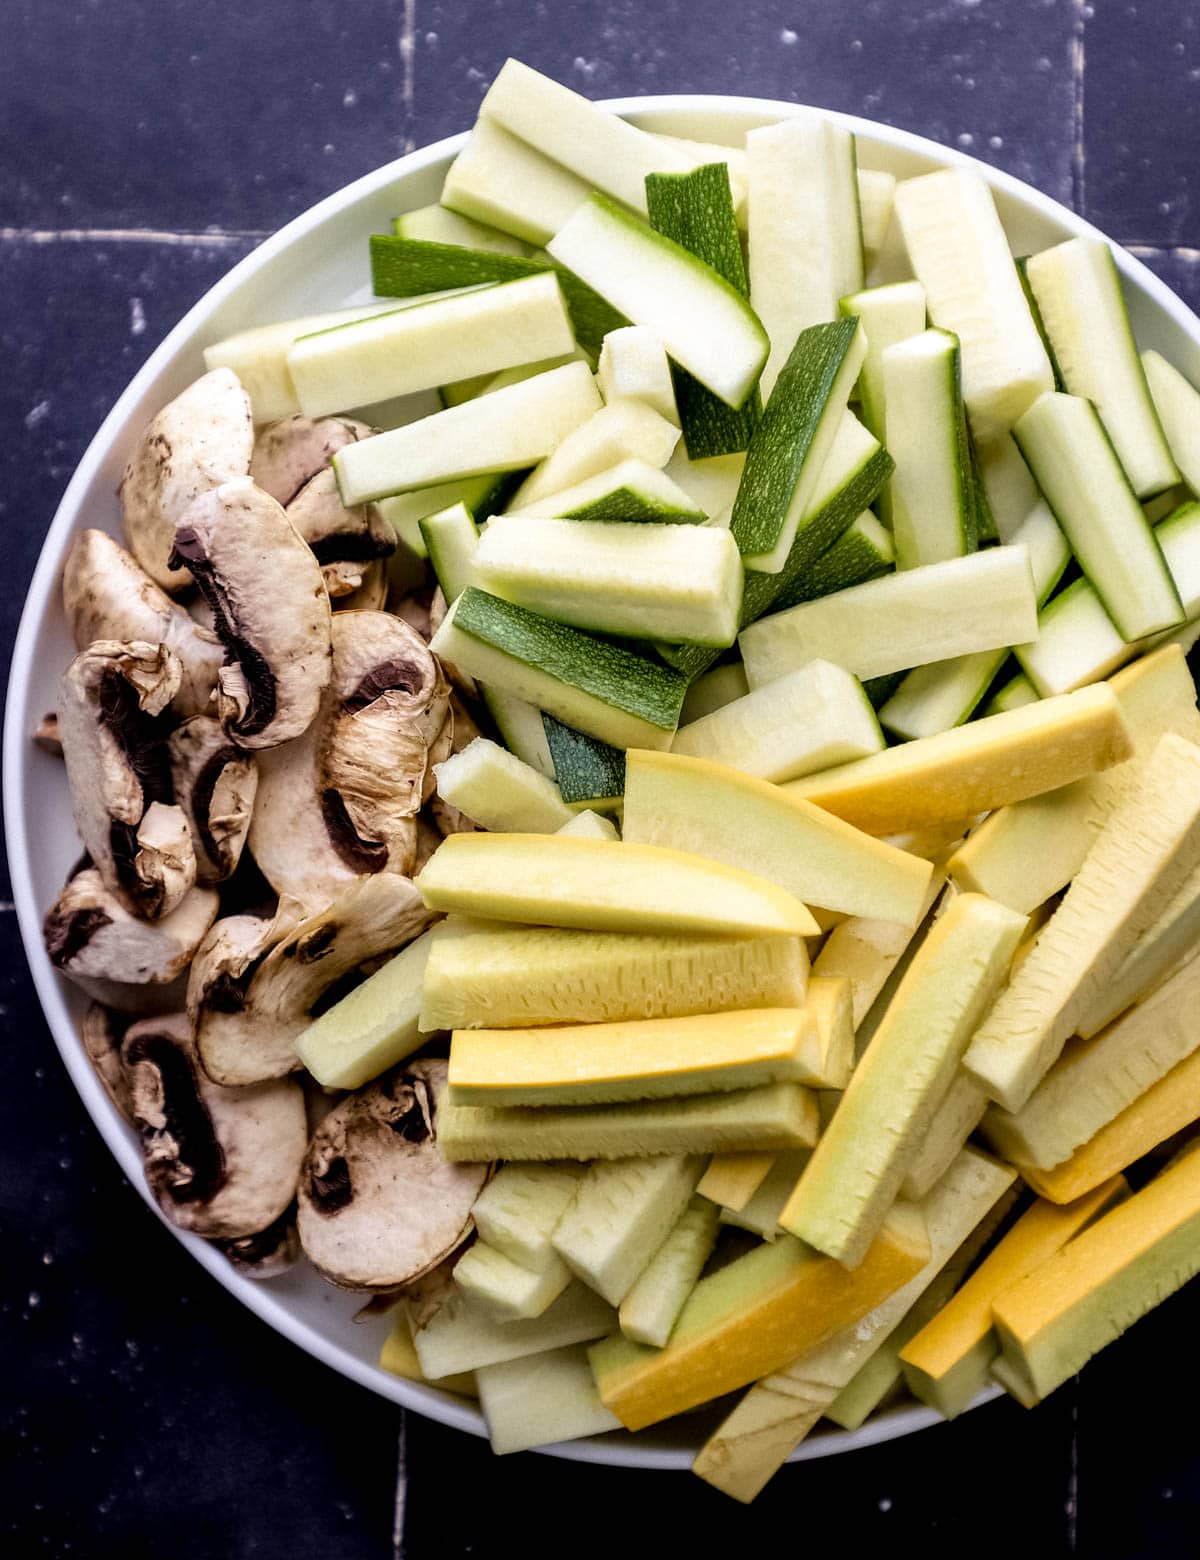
(256, 1295)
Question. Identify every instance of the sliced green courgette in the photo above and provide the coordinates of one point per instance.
(437, 225)
(498, 180)
(889, 315)
(1078, 295)
(864, 551)
(631, 490)
(1075, 466)
(696, 210)
(482, 495)
(705, 324)
(1178, 405)
(587, 770)
(601, 688)
(623, 430)
(790, 444)
(633, 365)
(451, 542)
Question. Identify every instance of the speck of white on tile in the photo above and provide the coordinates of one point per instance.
(349, 98)
(33, 416)
(137, 317)
(966, 138)
(788, 36)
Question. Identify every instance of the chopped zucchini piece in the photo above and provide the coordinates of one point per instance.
(1076, 468)
(505, 1288)
(499, 180)
(592, 684)
(1147, 848)
(519, 1209)
(633, 363)
(650, 1309)
(520, 725)
(542, 1399)
(814, 717)
(404, 511)
(775, 1116)
(696, 210)
(488, 974)
(1010, 489)
(451, 540)
(1078, 295)
(713, 691)
(876, 194)
(438, 225)
(789, 445)
(598, 885)
(496, 790)
(932, 494)
(962, 1109)
(638, 1059)
(864, 551)
(946, 1363)
(704, 323)
(586, 770)
(623, 1211)
(461, 1335)
(1178, 405)
(712, 810)
(590, 825)
(505, 431)
(743, 1321)
(977, 767)
(843, 1196)
(982, 602)
(630, 490)
(760, 1214)
(961, 257)
(731, 1180)
(622, 430)
(1015, 694)
(889, 315)
(805, 230)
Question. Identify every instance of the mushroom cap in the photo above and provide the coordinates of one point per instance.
(109, 699)
(215, 785)
(343, 541)
(270, 607)
(290, 452)
(221, 1162)
(371, 594)
(378, 1205)
(253, 989)
(199, 440)
(108, 595)
(351, 787)
(120, 960)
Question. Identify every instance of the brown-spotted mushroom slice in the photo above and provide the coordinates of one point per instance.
(270, 609)
(344, 541)
(109, 701)
(378, 1205)
(351, 787)
(223, 1163)
(267, 1253)
(290, 452)
(117, 958)
(215, 785)
(201, 439)
(370, 596)
(247, 1021)
(108, 595)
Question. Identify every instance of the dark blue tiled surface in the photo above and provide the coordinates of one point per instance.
(142, 1413)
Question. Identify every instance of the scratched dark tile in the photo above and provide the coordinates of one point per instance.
(172, 114)
(1139, 1483)
(932, 1494)
(143, 1413)
(990, 76)
(1141, 119)
(1179, 269)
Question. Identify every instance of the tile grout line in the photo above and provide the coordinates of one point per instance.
(1078, 62)
(408, 61)
(213, 239)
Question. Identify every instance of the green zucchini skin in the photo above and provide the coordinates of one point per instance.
(408, 267)
(587, 770)
(696, 210)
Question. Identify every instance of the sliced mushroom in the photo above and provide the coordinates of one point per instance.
(101, 1035)
(351, 787)
(119, 960)
(215, 785)
(221, 1162)
(108, 703)
(270, 607)
(108, 595)
(378, 1205)
(203, 438)
(46, 735)
(269, 1252)
(371, 595)
(252, 994)
(289, 453)
(429, 837)
(344, 541)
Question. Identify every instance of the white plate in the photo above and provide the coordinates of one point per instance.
(317, 262)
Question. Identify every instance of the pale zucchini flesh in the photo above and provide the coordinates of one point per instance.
(649, 1310)
(960, 255)
(497, 790)
(498, 180)
(713, 691)
(541, 1399)
(630, 490)
(932, 504)
(463, 1335)
(704, 323)
(816, 716)
(774, 1117)
(1077, 469)
(982, 602)
(451, 540)
(506, 431)
(438, 225)
(490, 973)
(696, 805)
(619, 431)
(1178, 405)
(505, 1288)
(846, 1189)
(1078, 293)
(633, 363)
(889, 314)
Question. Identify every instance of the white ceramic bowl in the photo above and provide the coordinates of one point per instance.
(317, 262)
